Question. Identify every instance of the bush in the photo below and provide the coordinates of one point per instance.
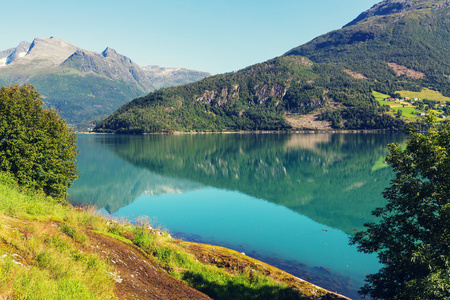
(36, 146)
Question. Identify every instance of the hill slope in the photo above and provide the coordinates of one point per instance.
(50, 250)
(82, 85)
(413, 34)
(396, 45)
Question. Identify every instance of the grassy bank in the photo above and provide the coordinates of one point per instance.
(43, 251)
(51, 250)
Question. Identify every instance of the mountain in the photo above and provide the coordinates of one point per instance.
(413, 34)
(42, 53)
(109, 64)
(397, 45)
(10, 55)
(162, 77)
(83, 86)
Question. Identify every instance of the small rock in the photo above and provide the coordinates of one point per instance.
(116, 277)
(111, 222)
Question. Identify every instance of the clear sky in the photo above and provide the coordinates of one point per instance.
(216, 36)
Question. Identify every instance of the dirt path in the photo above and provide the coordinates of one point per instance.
(137, 277)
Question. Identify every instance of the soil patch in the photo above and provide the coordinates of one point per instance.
(402, 70)
(355, 74)
(311, 121)
(138, 276)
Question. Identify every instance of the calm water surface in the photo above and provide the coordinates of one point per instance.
(291, 200)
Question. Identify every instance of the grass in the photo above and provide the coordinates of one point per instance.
(379, 96)
(44, 254)
(425, 94)
(218, 283)
(42, 249)
(408, 110)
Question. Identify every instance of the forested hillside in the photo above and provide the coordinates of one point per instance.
(411, 34)
(396, 45)
(256, 98)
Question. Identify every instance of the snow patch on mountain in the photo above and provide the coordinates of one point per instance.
(41, 53)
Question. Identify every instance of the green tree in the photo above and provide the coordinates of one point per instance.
(412, 238)
(36, 145)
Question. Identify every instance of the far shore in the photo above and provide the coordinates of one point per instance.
(251, 132)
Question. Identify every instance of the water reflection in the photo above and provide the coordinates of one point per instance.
(335, 179)
(109, 182)
(318, 188)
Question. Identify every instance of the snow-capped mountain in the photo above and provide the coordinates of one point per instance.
(83, 85)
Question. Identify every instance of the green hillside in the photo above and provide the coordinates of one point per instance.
(394, 46)
(68, 95)
(255, 98)
(406, 39)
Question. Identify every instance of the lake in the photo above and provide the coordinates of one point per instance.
(291, 200)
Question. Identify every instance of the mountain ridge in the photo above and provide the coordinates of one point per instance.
(109, 64)
(396, 7)
(47, 52)
(407, 28)
(82, 85)
(395, 45)
(162, 77)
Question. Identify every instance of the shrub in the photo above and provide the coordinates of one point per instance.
(36, 146)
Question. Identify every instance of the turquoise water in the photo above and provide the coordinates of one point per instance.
(291, 200)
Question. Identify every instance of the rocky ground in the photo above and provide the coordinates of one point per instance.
(311, 121)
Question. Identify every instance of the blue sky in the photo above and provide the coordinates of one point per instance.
(216, 36)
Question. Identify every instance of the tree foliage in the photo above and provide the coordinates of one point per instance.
(412, 238)
(36, 145)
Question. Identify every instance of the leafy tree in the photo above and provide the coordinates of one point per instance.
(36, 145)
(412, 238)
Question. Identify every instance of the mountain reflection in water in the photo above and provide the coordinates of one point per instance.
(333, 179)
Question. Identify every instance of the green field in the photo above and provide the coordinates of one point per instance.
(379, 96)
(408, 109)
(425, 94)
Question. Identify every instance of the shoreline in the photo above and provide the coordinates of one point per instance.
(304, 131)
